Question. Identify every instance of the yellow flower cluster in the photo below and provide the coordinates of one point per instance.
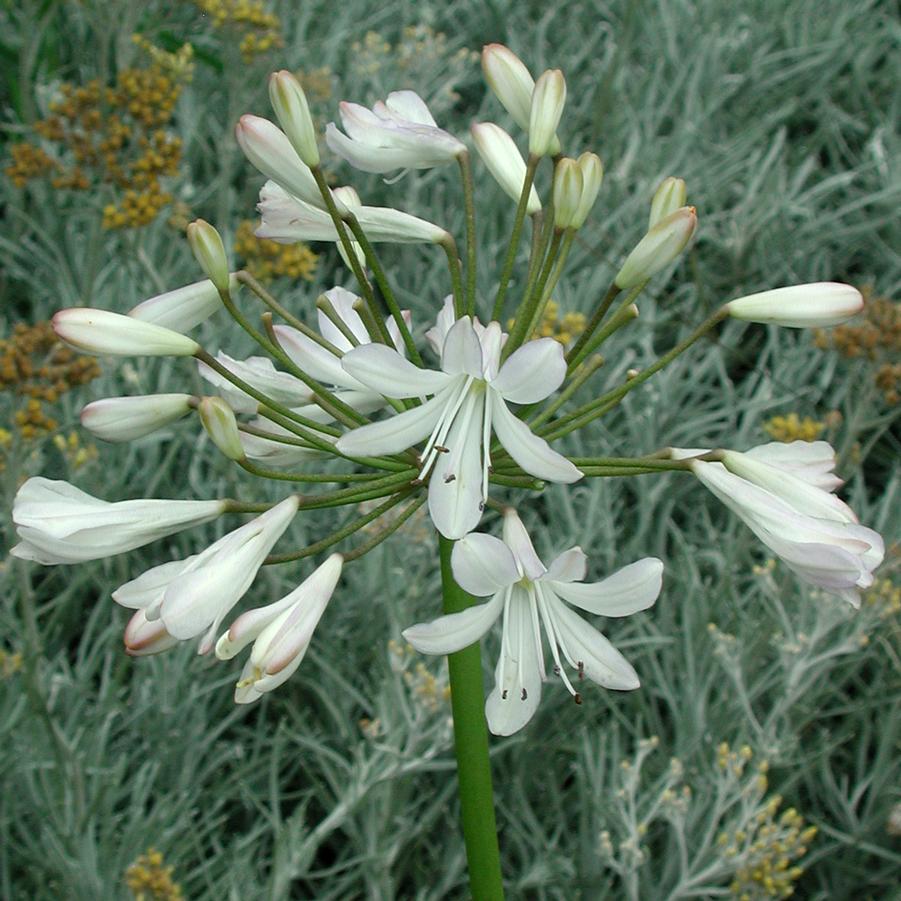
(564, 329)
(259, 31)
(179, 66)
(884, 595)
(792, 428)
(266, 259)
(317, 83)
(877, 338)
(431, 691)
(75, 453)
(150, 880)
(10, 663)
(113, 135)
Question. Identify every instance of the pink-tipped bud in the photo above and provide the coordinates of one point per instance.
(668, 197)
(658, 248)
(102, 332)
(293, 112)
(126, 418)
(816, 305)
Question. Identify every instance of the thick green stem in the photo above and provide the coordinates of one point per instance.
(471, 743)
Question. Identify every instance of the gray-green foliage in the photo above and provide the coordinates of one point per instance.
(781, 116)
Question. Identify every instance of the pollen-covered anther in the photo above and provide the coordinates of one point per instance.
(577, 698)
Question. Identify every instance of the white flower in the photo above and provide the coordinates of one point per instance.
(281, 633)
(782, 493)
(800, 306)
(127, 418)
(397, 134)
(183, 308)
(530, 597)
(191, 597)
(102, 332)
(471, 393)
(504, 161)
(58, 523)
(288, 220)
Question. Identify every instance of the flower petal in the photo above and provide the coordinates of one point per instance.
(314, 359)
(384, 370)
(483, 564)
(570, 566)
(520, 543)
(410, 106)
(532, 373)
(532, 453)
(462, 351)
(634, 587)
(601, 662)
(395, 434)
(451, 633)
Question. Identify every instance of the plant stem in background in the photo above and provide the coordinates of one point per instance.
(471, 742)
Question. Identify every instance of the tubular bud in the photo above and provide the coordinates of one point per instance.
(183, 308)
(501, 155)
(548, 100)
(126, 418)
(510, 80)
(206, 245)
(568, 188)
(800, 306)
(219, 421)
(658, 248)
(293, 112)
(102, 332)
(592, 176)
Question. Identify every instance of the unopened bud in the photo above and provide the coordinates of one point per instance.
(143, 637)
(102, 332)
(567, 192)
(667, 199)
(658, 248)
(510, 80)
(219, 421)
(800, 306)
(501, 155)
(293, 112)
(206, 245)
(348, 199)
(126, 418)
(548, 100)
(592, 176)
(183, 308)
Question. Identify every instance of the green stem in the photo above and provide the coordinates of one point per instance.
(471, 743)
(510, 259)
(578, 351)
(624, 315)
(579, 377)
(387, 531)
(469, 207)
(453, 265)
(310, 477)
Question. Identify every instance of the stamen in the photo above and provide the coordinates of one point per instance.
(504, 694)
(450, 477)
(456, 396)
(441, 449)
(577, 698)
(505, 643)
(547, 619)
(486, 445)
(463, 436)
(536, 633)
(580, 666)
(525, 695)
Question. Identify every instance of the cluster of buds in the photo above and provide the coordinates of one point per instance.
(477, 424)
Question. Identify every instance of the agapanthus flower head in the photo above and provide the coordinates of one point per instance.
(398, 133)
(533, 601)
(469, 397)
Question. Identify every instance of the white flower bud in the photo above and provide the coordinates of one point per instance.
(293, 112)
(510, 80)
(350, 199)
(268, 149)
(219, 421)
(126, 418)
(102, 332)
(548, 100)
(667, 199)
(658, 248)
(501, 155)
(799, 306)
(567, 192)
(206, 245)
(592, 176)
(183, 308)
(143, 638)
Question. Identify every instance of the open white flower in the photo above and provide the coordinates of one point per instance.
(398, 133)
(191, 597)
(471, 393)
(59, 523)
(782, 493)
(280, 632)
(530, 597)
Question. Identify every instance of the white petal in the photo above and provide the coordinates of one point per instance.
(437, 334)
(601, 662)
(384, 370)
(520, 543)
(506, 710)
(455, 506)
(570, 566)
(314, 359)
(532, 453)
(462, 351)
(410, 106)
(149, 587)
(395, 434)
(532, 373)
(343, 302)
(628, 590)
(451, 633)
(483, 564)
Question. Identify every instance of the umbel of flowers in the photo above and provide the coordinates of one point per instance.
(471, 421)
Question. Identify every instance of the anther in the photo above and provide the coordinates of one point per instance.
(449, 478)
(580, 666)
(525, 695)
(441, 448)
(577, 698)
(504, 695)
(556, 670)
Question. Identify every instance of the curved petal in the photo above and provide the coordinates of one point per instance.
(455, 488)
(395, 434)
(451, 633)
(483, 564)
(532, 373)
(410, 106)
(517, 690)
(343, 302)
(532, 453)
(634, 587)
(314, 359)
(462, 351)
(384, 370)
(517, 539)
(581, 642)
(570, 566)
(438, 332)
